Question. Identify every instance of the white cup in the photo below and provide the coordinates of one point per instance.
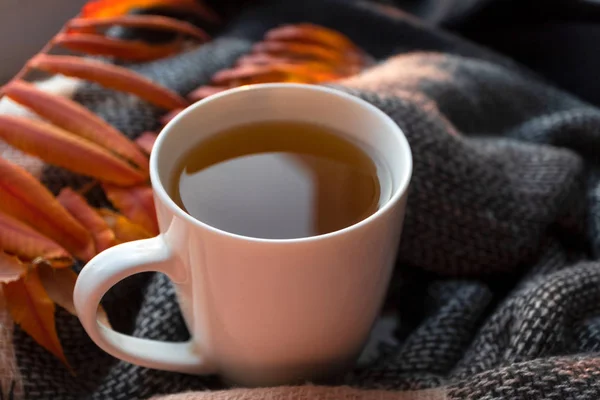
(261, 312)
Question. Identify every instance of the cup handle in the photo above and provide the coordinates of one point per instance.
(106, 270)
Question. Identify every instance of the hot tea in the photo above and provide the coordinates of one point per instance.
(280, 180)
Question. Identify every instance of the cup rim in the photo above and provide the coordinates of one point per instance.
(161, 192)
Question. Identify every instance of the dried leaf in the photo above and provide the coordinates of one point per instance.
(146, 141)
(29, 245)
(302, 53)
(103, 236)
(343, 69)
(110, 76)
(71, 116)
(271, 73)
(124, 229)
(11, 269)
(156, 22)
(60, 284)
(33, 310)
(310, 33)
(59, 147)
(136, 203)
(111, 8)
(299, 51)
(27, 200)
(128, 50)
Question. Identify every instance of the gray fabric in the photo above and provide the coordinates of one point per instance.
(497, 285)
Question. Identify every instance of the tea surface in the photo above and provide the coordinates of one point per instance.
(279, 180)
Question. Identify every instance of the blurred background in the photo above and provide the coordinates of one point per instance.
(26, 25)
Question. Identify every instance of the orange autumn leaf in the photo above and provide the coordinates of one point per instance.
(11, 269)
(343, 68)
(111, 8)
(110, 76)
(299, 51)
(136, 203)
(59, 147)
(60, 284)
(73, 117)
(246, 74)
(103, 236)
(27, 200)
(156, 22)
(314, 34)
(128, 50)
(33, 310)
(124, 229)
(146, 141)
(29, 245)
